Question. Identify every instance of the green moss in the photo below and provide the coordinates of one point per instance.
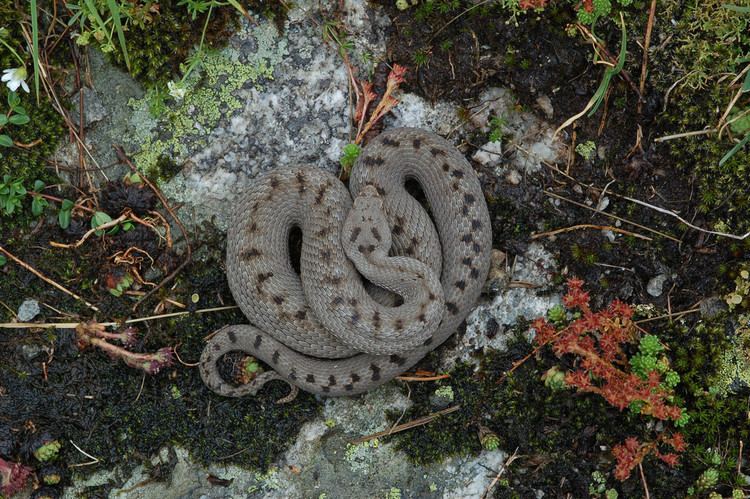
(209, 97)
(157, 48)
(733, 365)
(709, 42)
(42, 134)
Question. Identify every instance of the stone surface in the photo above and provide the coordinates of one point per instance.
(531, 139)
(321, 463)
(93, 108)
(655, 286)
(28, 310)
(487, 326)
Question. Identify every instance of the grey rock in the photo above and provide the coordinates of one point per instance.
(655, 286)
(30, 352)
(93, 108)
(712, 306)
(28, 310)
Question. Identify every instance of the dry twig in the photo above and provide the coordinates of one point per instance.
(588, 226)
(189, 252)
(88, 234)
(73, 325)
(646, 44)
(581, 205)
(408, 425)
(46, 279)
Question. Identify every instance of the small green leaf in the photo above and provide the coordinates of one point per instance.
(38, 185)
(100, 218)
(19, 119)
(63, 218)
(3, 119)
(734, 150)
(3, 260)
(37, 205)
(67, 205)
(20, 110)
(126, 226)
(5, 141)
(13, 100)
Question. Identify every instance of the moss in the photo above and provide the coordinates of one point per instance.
(733, 365)
(157, 48)
(129, 417)
(709, 42)
(44, 131)
(210, 96)
(562, 432)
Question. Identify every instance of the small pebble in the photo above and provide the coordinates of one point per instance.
(545, 104)
(712, 306)
(28, 310)
(513, 177)
(656, 284)
(490, 153)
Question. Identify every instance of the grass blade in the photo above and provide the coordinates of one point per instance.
(240, 8)
(95, 12)
(610, 72)
(35, 46)
(736, 8)
(734, 150)
(115, 11)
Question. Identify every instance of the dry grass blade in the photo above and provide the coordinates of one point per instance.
(408, 425)
(73, 325)
(46, 279)
(588, 226)
(120, 152)
(615, 217)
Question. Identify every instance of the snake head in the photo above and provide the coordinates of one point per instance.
(366, 228)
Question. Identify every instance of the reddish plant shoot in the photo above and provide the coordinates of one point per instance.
(93, 334)
(13, 477)
(596, 341)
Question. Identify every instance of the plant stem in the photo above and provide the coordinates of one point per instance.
(200, 45)
(13, 51)
(35, 45)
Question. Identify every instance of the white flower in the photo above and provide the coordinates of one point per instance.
(15, 77)
(176, 90)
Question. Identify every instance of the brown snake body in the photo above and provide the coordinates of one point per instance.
(325, 330)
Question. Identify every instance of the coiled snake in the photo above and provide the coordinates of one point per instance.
(327, 330)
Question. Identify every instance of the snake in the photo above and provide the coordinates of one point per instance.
(385, 276)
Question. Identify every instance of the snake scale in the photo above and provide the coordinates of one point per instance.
(330, 329)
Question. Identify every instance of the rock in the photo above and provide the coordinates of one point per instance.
(28, 310)
(489, 154)
(93, 108)
(30, 352)
(545, 104)
(486, 326)
(712, 306)
(532, 138)
(656, 284)
(513, 177)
